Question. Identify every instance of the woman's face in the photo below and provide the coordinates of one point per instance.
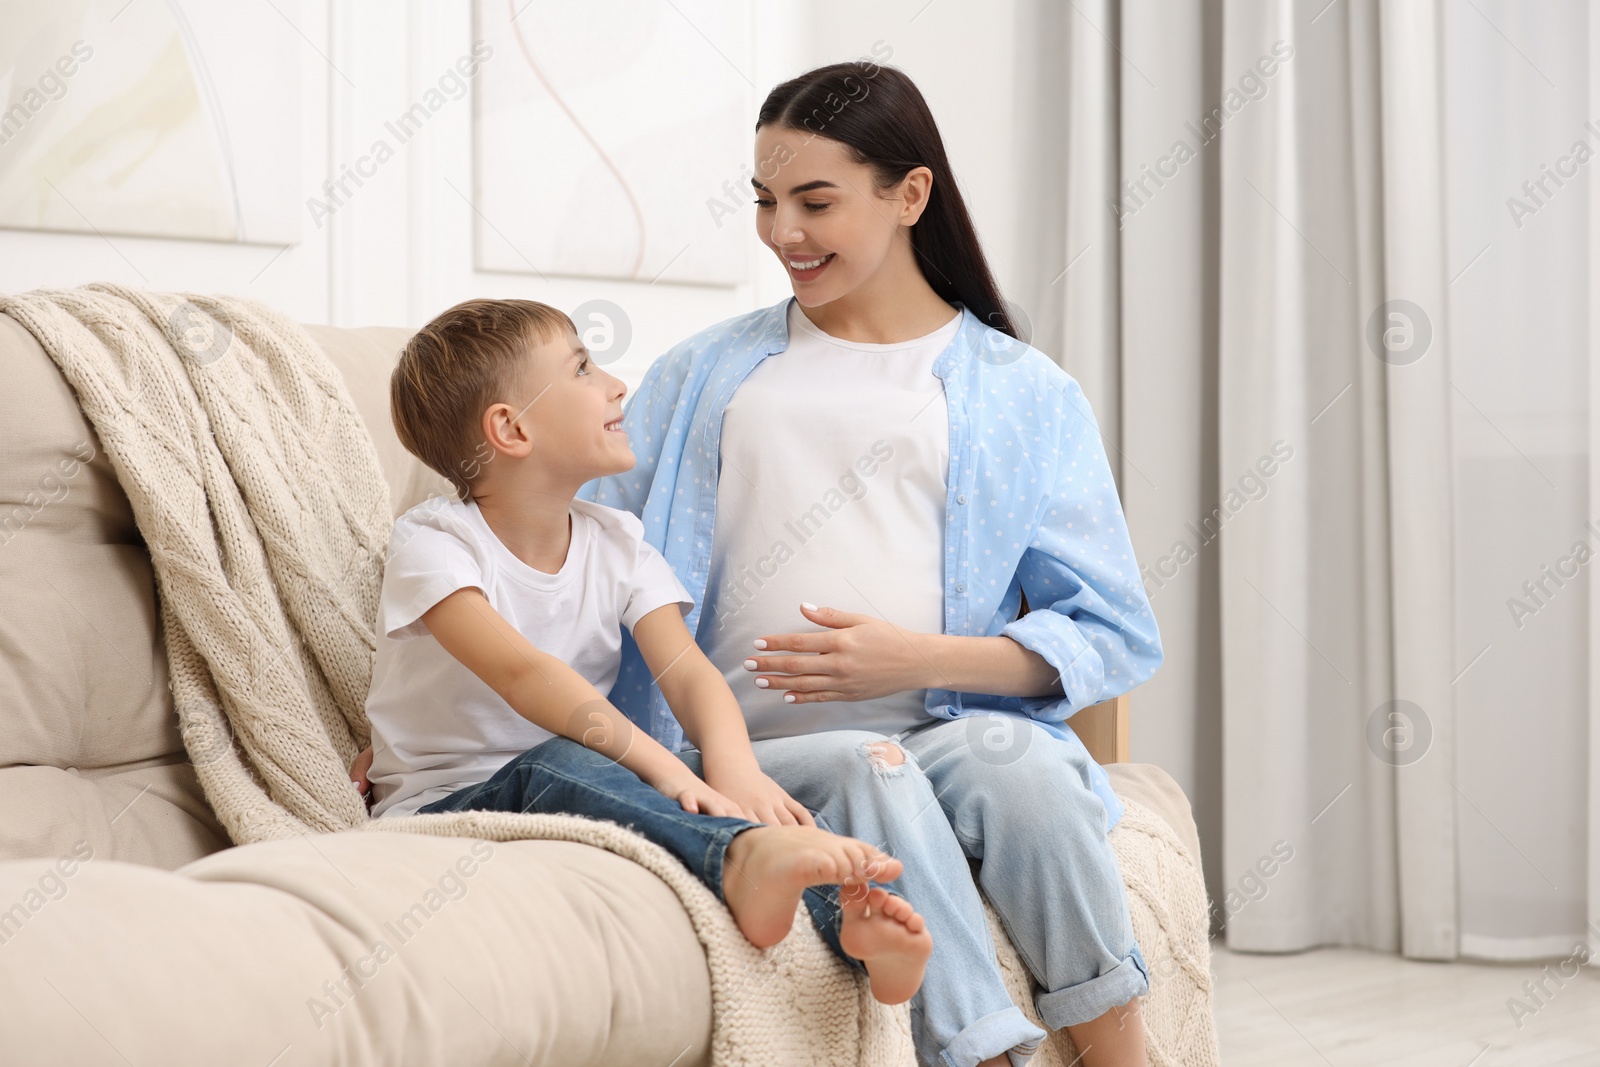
(823, 217)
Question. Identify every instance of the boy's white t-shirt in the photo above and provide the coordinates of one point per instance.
(436, 726)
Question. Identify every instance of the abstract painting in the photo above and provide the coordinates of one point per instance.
(607, 137)
(151, 117)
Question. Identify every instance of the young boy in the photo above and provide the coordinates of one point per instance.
(499, 639)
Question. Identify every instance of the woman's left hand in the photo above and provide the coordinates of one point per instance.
(858, 657)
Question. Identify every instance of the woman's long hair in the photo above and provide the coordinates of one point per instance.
(879, 114)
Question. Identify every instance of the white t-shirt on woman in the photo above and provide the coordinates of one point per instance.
(436, 726)
(834, 462)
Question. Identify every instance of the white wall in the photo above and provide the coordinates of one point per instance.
(399, 249)
(962, 55)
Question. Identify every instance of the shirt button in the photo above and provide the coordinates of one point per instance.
(962, 499)
(961, 587)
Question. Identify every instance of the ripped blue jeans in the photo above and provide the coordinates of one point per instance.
(1026, 813)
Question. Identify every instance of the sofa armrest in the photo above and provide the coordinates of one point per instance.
(1103, 729)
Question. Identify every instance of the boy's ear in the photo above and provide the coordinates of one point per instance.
(507, 431)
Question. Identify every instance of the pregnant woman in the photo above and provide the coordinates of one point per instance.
(859, 486)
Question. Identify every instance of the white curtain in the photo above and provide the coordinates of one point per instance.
(1344, 383)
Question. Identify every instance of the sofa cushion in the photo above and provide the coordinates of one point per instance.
(90, 750)
(152, 813)
(352, 948)
(366, 357)
(83, 667)
(82, 674)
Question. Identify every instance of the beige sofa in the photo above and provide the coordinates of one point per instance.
(130, 932)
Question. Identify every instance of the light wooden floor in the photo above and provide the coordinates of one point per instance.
(1353, 1008)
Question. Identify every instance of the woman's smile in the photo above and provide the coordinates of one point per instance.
(804, 270)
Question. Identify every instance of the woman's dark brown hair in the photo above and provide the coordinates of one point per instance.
(879, 114)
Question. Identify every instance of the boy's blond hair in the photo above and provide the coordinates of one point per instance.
(453, 369)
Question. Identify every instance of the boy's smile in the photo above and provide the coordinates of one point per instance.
(581, 397)
(569, 427)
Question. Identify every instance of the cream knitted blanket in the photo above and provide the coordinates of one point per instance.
(259, 495)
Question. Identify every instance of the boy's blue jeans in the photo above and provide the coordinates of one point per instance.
(1028, 814)
(562, 777)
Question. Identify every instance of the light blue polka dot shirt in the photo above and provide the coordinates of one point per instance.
(1030, 509)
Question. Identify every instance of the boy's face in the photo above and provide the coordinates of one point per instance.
(574, 412)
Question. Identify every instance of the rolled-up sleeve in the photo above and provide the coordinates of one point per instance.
(1090, 617)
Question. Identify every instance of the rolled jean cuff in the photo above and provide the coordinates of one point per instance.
(990, 1036)
(1089, 1000)
(714, 864)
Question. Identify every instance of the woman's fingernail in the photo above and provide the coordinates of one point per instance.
(749, 664)
(762, 683)
(788, 698)
(808, 606)
(761, 643)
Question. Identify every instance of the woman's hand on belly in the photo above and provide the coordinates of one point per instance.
(858, 657)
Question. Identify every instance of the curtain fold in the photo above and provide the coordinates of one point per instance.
(1253, 270)
(1422, 510)
(1307, 650)
(1592, 509)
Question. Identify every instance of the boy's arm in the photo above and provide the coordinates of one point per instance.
(711, 718)
(549, 693)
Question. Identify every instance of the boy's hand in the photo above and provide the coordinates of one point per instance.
(698, 798)
(750, 788)
(359, 771)
(699, 696)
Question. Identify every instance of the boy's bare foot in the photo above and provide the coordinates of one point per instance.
(885, 932)
(768, 867)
